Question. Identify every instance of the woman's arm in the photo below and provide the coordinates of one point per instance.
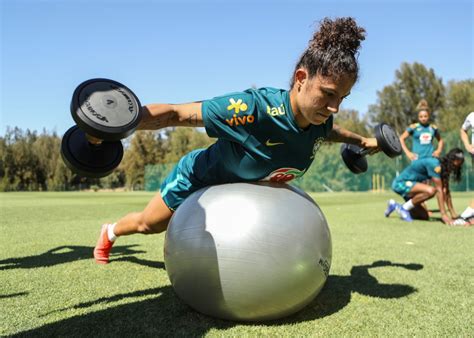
(407, 152)
(441, 200)
(158, 116)
(449, 203)
(465, 140)
(439, 149)
(339, 134)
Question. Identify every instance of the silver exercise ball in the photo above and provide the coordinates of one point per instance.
(248, 251)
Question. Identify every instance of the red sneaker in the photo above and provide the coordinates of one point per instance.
(103, 246)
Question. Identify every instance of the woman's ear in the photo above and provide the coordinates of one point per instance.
(301, 76)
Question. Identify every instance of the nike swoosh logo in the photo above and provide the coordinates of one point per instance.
(271, 144)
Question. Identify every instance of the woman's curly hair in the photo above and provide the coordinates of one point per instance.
(449, 169)
(333, 49)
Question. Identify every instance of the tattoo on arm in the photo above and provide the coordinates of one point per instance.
(156, 124)
(192, 119)
(169, 120)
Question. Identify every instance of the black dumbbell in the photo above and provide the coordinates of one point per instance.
(388, 141)
(105, 112)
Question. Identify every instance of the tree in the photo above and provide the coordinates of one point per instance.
(46, 148)
(350, 119)
(5, 159)
(21, 167)
(146, 147)
(183, 140)
(396, 103)
(459, 103)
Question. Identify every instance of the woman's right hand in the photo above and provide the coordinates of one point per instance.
(470, 148)
(412, 156)
(446, 220)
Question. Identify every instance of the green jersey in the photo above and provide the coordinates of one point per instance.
(258, 139)
(423, 138)
(421, 170)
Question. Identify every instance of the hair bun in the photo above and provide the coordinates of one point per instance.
(340, 33)
(423, 105)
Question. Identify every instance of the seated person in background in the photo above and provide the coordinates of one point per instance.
(409, 184)
(467, 216)
(423, 134)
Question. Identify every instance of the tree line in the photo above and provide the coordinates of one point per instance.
(31, 161)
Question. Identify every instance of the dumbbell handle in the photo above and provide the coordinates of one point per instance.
(363, 151)
(93, 140)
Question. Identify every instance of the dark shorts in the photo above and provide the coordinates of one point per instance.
(180, 183)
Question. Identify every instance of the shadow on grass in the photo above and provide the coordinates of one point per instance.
(13, 295)
(337, 291)
(165, 315)
(162, 314)
(70, 253)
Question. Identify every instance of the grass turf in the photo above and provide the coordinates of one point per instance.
(387, 277)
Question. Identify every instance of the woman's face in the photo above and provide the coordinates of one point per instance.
(423, 116)
(315, 99)
(458, 163)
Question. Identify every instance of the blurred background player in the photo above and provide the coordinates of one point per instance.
(467, 216)
(423, 133)
(410, 184)
(468, 124)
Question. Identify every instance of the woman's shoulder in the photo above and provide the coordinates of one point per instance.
(267, 91)
(269, 97)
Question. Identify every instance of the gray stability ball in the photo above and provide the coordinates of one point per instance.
(248, 251)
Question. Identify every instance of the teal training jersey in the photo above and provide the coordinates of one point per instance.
(258, 139)
(421, 170)
(423, 136)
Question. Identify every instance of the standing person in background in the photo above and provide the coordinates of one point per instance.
(467, 216)
(468, 124)
(423, 133)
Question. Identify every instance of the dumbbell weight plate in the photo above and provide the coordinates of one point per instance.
(86, 159)
(388, 140)
(352, 158)
(105, 109)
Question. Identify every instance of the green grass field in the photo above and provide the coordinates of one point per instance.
(387, 277)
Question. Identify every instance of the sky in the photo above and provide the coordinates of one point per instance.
(182, 51)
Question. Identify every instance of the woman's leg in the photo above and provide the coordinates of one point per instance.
(153, 219)
(417, 196)
(421, 192)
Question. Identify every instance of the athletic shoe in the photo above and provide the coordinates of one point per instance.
(391, 206)
(404, 214)
(103, 246)
(459, 221)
